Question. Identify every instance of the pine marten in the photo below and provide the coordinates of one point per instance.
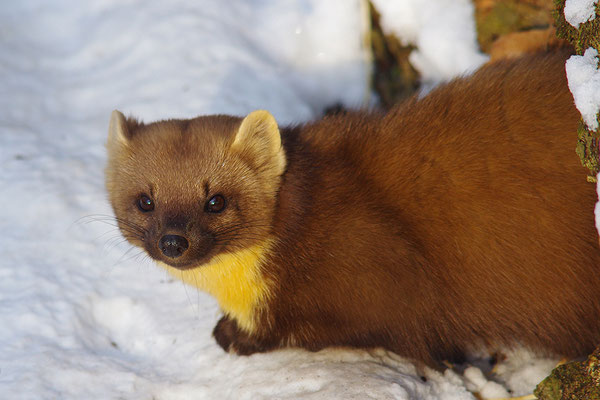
(455, 220)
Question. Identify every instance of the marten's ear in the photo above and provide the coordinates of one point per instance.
(119, 133)
(258, 140)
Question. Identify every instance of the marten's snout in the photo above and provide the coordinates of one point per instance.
(173, 246)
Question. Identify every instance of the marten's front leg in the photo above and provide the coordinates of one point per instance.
(231, 338)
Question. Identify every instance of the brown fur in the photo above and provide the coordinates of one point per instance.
(460, 219)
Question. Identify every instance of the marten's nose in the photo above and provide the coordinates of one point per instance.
(173, 246)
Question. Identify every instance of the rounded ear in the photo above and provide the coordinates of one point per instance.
(118, 132)
(259, 141)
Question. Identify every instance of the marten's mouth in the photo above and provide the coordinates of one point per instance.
(186, 263)
(183, 266)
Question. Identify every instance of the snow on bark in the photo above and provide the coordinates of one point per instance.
(579, 11)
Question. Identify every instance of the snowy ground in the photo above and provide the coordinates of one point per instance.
(84, 316)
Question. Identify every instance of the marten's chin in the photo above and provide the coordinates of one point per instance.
(184, 266)
(185, 262)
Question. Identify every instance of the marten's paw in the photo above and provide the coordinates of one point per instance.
(234, 340)
(224, 332)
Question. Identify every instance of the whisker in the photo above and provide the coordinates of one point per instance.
(125, 254)
(188, 295)
(197, 296)
(112, 221)
(142, 257)
(122, 261)
(133, 235)
(114, 242)
(110, 231)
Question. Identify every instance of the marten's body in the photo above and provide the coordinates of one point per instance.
(458, 220)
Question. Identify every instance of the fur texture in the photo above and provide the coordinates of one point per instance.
(456, 220)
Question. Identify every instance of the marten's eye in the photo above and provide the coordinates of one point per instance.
(216, 204)
(145, 203)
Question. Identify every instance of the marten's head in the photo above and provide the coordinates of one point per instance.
(188, 191)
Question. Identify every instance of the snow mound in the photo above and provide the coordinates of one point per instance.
(443, 32)
(584, 83)
(82, 314)
(580, 11)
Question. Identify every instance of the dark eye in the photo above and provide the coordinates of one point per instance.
(145, 203)
(216, 204)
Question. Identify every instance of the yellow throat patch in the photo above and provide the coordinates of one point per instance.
(235, 280)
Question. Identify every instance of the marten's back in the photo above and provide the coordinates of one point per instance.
(459, 218)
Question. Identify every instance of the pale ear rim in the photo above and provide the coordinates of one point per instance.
(257, 120)
(117, 128)
(258, 134)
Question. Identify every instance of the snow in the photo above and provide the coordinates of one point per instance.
(584, 83)
(477, 382)
(580, 11)
(85, 316)
(443, 32)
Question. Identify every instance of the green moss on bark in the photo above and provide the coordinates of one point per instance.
(582, 38)
(394, 78)
(573, 381)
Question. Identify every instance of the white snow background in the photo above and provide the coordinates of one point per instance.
(85, 316)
